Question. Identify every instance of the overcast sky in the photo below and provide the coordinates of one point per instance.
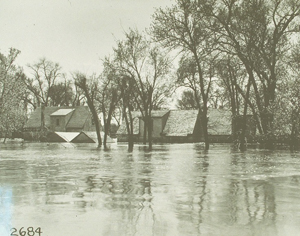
(74, 33)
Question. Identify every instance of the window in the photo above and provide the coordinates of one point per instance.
(57, 122)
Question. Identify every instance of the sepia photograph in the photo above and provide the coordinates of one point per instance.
(150, 117)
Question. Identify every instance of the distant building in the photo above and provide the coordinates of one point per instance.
(59, 119)
(177, 126)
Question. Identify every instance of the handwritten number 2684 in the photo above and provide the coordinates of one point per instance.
(29, 232)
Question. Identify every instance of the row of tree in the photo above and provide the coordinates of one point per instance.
(239, 54)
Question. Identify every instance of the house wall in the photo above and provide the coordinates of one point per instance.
(124, 138)
(63, 120)
(220, 138)
(141, 127)
(156, 129)
(178, 139)
(158, 126)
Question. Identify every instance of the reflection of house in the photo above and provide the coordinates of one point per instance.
(181, 126)
(59, 119)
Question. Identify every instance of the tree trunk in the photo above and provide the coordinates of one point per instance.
(150, 127)
(294, 140)
(109, 116)
(242, 138)
(105, 137)
(130, 143)
(82, 84)
(129, 127)
(5, 137)
(95, 116)
(42, 116)
(233, 115)
(204, 124)
(204, 96)
(145, 130)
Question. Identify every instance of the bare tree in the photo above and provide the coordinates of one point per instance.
(89, 90)
(147, 66)
(187, 101)
(61, 94)
(185, 27)
(108, 96)
(258, 33)
(44, 76)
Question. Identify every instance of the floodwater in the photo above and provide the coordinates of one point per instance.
(176, 189)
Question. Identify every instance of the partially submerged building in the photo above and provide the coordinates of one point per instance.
(62, 123)
(179, 126)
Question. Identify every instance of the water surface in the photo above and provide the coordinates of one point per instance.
(176, 189)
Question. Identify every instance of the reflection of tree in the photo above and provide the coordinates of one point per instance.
(191, 207)
(233, 199)
(144, 192)
(260, 206)
(203, 191)
(129, 192)
(251, 202)
(90, 181)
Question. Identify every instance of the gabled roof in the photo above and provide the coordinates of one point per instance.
(157, 113)
(68, 136)
(79, 117)
(77, 120)
(62, 136)
(90, 137)
(62, 112)
(183, 122)
(180, 122)
(135, 116)
(34, 120)
(219, 122)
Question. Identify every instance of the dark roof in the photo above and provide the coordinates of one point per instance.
(157, 113)
(77, 120)
(79, 117)
(180, 122)
(34, 120)
(219, 122)
(123, 130)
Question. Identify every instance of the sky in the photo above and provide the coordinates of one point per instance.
(75, 33)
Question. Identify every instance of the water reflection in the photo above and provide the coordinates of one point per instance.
(171, 190)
